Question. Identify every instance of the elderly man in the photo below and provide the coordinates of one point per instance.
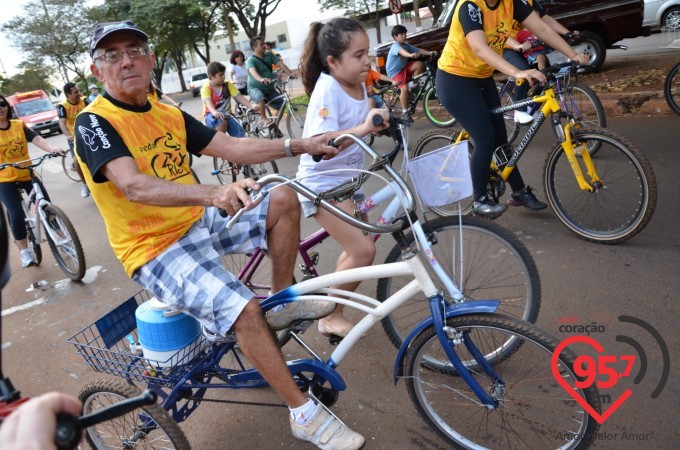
(166, 229)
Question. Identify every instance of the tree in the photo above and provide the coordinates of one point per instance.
(253, 20)
(54, 30)
(355, 8)
(33, 75)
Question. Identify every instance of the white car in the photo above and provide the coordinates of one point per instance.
(662, 13)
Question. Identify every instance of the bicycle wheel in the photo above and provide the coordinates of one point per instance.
(257, 171)
(227, 172)
(671, 89)
(69, 165)
(391, 99)
(146, 427)
(434, 140)
(511, 127)
(621, 205)
(295, 119)
(496, 266)
(67, 250)
(585, 106)
(435, 111)
(534, 411)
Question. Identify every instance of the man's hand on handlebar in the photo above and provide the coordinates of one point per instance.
(235, 196)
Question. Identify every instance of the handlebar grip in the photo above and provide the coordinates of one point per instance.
(318, 158)
(377, 120)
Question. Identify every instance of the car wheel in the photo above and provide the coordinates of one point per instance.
(592, 45)
(671, 19)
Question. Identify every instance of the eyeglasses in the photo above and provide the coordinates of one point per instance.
(115, 55)
(3, 104)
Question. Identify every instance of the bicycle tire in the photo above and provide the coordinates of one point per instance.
(513, 278)
(127, 431)
(434, 140)
(585, 106)
(68, 162)
(671, 89)
(295, 119)
(69, 253)
(618, 209)
(435, 112)
(533, 410)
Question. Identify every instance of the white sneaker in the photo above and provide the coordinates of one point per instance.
(84, 191)
(522, 117)
(26, 258)
(326, 432)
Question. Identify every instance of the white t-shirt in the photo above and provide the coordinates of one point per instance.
(332, 109)
(240, 75)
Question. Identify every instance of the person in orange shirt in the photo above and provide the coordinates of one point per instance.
(374, 99)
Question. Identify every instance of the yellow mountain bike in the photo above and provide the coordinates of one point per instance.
(613, 196)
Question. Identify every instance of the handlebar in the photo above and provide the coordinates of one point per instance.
(70, 428)
(23, 165)
(325, 204)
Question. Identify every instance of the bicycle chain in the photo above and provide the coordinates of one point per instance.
(235, 402)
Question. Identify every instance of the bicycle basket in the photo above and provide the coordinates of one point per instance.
(442, 176)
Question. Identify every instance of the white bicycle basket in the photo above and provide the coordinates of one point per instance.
(442, 176)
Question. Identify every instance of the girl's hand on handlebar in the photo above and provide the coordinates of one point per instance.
(531, 75)
(34, 424)
(370, 123)
(234, 196)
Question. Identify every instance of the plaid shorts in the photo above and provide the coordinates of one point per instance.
(190, 275)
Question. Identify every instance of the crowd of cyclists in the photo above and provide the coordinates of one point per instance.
(178, 256)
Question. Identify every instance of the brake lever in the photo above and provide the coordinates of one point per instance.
(256, 198)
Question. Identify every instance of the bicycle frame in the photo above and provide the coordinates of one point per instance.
(40, 203)
(549, 106)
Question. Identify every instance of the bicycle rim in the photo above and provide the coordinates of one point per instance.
(434, 140)
(496, 266)
(227, 172)
(618, 209)
(67, 249)
(534, 411)
(68, 163)
(671, 89)
(295, 119)
(435, 111)
(147, 427)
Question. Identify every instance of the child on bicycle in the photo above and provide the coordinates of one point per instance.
(373, 77)
(216, 95)
(14, 139)
(334, 65)
(401, 65)
(532, 49)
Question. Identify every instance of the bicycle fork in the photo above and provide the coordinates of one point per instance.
(570, 152)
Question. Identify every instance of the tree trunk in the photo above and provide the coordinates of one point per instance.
(177, 59)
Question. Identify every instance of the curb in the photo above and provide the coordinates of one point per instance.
(650, 103)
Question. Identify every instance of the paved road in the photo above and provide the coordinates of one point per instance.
(581, 281)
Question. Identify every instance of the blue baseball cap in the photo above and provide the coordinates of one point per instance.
(104, 29)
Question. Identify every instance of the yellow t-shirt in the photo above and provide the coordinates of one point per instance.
(13, 148)
(157, 141)
(71, 112)
(458, 58)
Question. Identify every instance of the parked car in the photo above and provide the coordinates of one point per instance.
(662, 13)
(197, 82)
(602, 23)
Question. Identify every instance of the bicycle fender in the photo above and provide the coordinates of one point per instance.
(458, 309)
(318, 368)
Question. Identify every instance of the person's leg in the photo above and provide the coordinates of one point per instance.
(257, 97)
(516, 59)
(358, 251)
(11, 199)
(283, 235)
(541, 60)
(234, 128)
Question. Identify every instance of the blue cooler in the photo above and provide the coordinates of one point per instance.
(163, 333)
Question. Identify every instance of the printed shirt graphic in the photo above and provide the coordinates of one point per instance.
(332, 109)
(69, 111)
(137, 233)
(220, 100)
(458, 58)
(14, 148)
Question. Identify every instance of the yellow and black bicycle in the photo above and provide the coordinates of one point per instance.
(607, 197)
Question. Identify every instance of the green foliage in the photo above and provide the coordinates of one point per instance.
(354, 7)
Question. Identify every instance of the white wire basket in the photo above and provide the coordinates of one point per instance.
(442, 177)
(670, 38)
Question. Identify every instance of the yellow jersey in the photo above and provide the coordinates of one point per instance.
(14, 148)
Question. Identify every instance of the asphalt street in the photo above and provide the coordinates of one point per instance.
(582, 283)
